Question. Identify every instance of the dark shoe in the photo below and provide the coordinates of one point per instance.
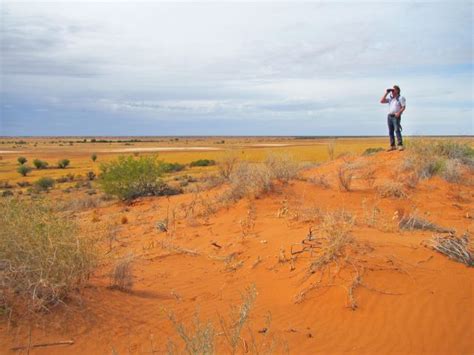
(391, 148)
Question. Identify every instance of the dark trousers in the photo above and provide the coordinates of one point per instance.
(394, 127)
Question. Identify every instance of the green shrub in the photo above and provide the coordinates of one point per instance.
(62, 164)
(44, 183)
(43, 259)
(94, 157)
(23, 170)
(202, 162)
(40, 164)
(129, 178)
(22, 160)
(172, 167)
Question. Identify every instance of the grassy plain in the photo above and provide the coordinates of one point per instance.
(182, 150)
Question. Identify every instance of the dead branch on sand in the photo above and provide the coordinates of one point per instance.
(457, 249)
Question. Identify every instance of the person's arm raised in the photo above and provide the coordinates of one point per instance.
(384, 100)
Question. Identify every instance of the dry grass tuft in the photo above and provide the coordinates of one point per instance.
(320, 180)
(457, 249)
(249, 180)
(444, 158)
(392, 189)
(200, 339)
(334, 236)
(43, 258)
(228, 163)
(121, 277)
(237, 334)
(413, 221)
(282, 167)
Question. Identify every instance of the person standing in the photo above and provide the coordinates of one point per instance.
(396, 106)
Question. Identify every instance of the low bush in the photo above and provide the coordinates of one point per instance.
(227, 164)
(42, 257)
(40, 164)
(22, 160)
(202, 162)
(172, 167)
(392, 189)
(249, 180)
(129, 178)
(283, 167)
(94, 157)
(122, 277)
(443, 157)
(63, 163)
(24, 170)
(44, 184)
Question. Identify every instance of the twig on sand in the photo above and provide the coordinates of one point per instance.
(42, 345)
(455, 248)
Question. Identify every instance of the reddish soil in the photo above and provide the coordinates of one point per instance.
(412, 300)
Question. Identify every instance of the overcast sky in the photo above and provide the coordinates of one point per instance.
(233, 68)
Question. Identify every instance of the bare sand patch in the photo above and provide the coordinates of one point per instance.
(270, 145)
(10, 151)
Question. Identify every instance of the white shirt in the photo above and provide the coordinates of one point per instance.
(395, 105)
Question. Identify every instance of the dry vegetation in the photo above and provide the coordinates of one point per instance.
(459, 249)
(43, 257)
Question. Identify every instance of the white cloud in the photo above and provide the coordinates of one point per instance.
(237, 60)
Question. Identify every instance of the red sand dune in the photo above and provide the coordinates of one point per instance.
(412, 301)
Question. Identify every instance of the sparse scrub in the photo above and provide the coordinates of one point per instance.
(43, 258)
(129, 178)
(122, 277)
(227, 164)
(22, 160)
(452, 170)
(249, 180)
(345, 175)
(40, 164)
(283, 167)
(334, 233)
(444, 158)
(63, 163)
(202, 162)
(413, 221)
(320, 180)
(24, 170)
(458, 249)
(200, 339)
(44, 183)
(172, 167)
(94, 157)
(392, 189)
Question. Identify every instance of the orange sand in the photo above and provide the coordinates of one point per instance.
(432, 312)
